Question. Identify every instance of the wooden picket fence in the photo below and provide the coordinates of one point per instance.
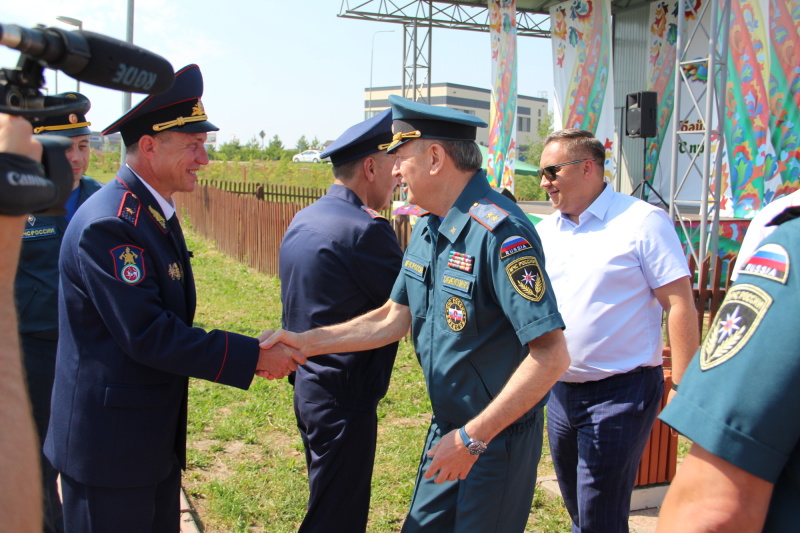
(241, 225)
(247, 220)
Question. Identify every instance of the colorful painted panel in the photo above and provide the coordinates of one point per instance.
(502, 126)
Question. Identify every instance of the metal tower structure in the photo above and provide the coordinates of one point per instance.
(419, 17)
(712, 98)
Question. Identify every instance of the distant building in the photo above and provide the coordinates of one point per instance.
(473, 100)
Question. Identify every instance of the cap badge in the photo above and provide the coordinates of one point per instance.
(73, 118)
(397, 137)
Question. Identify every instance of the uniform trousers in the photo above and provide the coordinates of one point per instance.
(598, 431)
(39, 358)
(497, 493)
(150, 509)
(339, 442)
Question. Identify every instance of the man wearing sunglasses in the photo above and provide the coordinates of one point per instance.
(616, 263)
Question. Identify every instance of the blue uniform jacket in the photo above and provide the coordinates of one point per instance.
(127, 346)
(36, 283)
(338, 261)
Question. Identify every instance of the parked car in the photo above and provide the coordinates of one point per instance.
(310, 156)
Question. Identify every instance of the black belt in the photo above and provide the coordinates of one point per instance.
(637, 370)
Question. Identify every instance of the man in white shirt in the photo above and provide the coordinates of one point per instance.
(615, 263)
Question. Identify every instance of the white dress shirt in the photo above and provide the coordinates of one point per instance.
(604, 270)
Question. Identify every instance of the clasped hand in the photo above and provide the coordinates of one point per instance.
(276, 360)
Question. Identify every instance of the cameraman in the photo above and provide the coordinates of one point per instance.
(20, 489)
(36, 289)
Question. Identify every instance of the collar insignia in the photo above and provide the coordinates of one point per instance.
(158, 217)
(31, 220)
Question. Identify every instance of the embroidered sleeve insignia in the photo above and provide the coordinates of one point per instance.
(455, 313)
(769, 261)
(128, 263)
(736, 321)
(526, 277)
(514, 245)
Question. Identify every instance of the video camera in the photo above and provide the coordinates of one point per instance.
(85, 56)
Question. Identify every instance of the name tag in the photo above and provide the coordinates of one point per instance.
(414, 268)
(459, 284)
(39, 233)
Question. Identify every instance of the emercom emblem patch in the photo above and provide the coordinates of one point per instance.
(526, 277)
(736, 321)
(455, 313)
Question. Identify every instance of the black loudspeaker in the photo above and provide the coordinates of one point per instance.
(640, 118)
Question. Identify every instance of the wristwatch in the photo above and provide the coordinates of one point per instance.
(474, 447)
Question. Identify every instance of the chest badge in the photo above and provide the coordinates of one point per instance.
(175, 272)
(455, 313)
(460, 261)
(526, 277)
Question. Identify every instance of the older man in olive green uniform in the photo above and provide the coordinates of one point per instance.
(485, 325)
(739, 400)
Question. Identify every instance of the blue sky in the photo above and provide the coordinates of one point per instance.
(289, 68)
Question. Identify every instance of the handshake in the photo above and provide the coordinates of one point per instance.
(279, 354)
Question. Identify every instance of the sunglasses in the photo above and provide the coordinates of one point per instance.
(551, 171)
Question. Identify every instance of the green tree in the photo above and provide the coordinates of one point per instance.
(275, 150)
(302, 144)
(316, 144)
(229, 151)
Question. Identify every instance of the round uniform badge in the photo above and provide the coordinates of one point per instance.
(455, 313)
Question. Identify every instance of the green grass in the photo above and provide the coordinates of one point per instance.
(246, 468)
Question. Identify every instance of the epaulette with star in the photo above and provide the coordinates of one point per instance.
(487, 214)
(372, 212)
(129, 208)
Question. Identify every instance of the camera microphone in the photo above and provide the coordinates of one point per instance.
(92, 58)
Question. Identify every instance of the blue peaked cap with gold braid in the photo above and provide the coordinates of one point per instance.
(178, 109)
(361, 139)
(413, 120)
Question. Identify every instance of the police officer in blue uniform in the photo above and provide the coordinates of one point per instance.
(126, 344)
(484, 322)
(36, 289)
(738, 402)
(338, 260)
